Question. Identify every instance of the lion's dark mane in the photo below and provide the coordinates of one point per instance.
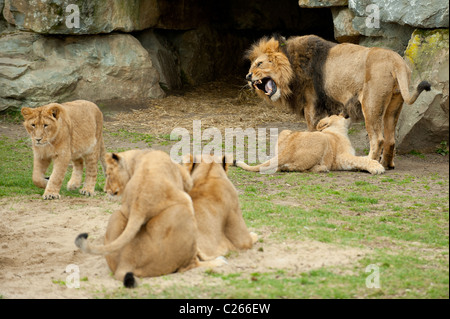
(307, 61)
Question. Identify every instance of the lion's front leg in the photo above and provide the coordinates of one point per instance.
(310, 114)
(40, 166)
(54, 184)
(352, 162)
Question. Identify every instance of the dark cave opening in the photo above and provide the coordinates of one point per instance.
(204, 41)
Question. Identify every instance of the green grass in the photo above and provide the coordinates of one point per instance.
(17, 157)
(399, 220)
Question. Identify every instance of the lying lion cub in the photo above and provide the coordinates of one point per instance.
(221, 226)
(322, 151)
(154, 231)
(63, 133)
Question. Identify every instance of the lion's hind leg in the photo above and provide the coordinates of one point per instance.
(77, 175)
(91, 161)
(390, 122)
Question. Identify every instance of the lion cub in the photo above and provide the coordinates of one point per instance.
(221, 226)
(329, 148)
(153, 233)
(63, 133)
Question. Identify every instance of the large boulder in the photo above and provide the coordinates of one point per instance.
(389, 35)
(420, 14)
(50, 17)
(425, 124)
(343, 27)
(36, 69)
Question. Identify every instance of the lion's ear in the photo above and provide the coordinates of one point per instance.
(323, 124)
(115, 157)
(54, 111)
(188, 162)
(344, 115)
(112, 159)
(280, 39)
(26, 112)
(226, 160)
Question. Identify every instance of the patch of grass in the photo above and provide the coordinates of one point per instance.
(16, 170)
(135, 137)
(417, 153)
(443, 148)
(400, 220)
(11, 116)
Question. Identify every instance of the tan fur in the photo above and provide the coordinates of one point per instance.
(328, 149)
(317, 78)
(221, 227)
(63, 133)
(154, 231)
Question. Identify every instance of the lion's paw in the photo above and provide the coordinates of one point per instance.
(378, 169)
(221, 260)
(254, 237)
(71, 186)
(87, 192)
(51, 196)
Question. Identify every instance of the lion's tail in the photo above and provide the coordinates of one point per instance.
(266, 166)
(403, 74)
(133, 226)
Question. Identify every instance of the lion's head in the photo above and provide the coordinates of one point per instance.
(334, 121)
(270, 70)
(203, 165)
(42, 123)
(117, 175)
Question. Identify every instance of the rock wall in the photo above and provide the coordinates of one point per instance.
(58, 50)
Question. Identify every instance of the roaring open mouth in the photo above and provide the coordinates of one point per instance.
(267, 85)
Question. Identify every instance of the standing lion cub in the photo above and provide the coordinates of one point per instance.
(64, 133)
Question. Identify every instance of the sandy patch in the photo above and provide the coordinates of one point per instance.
(37, 244)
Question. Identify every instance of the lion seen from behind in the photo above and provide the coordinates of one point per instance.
(221, 226)
(154, 231)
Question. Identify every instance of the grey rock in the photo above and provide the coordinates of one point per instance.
(425, 124)
(55, 17)
(343, 28)
(417, 13)
(36, 70)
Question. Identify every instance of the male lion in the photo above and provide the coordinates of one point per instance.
(66, 132)
(316, 78)
(221, 226)
(154, 231)
(326, 149)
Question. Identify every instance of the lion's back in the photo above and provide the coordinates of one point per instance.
(86, 125)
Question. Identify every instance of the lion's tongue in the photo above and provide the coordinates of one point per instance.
(269, 87)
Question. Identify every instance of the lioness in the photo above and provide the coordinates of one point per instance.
(71, 131)
(154, 231)
(316, 78)
(327, 149)
(221, 226)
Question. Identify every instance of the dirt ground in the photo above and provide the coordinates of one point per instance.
(37, 237)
